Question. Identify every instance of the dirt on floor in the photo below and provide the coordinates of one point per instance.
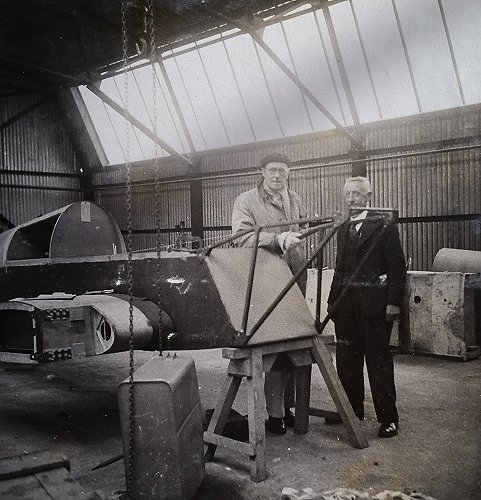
(71, 408)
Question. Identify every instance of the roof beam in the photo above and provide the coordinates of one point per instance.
(451, 51)
(138, 124)
(82, 130)
(16, 63)
(176, 104)
(246, 27)
(340, 65)
(196, 38)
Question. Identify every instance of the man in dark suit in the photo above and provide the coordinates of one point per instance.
(364, 315)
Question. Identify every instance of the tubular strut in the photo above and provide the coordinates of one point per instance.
(332, 223)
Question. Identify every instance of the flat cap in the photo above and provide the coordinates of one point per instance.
(275, 158)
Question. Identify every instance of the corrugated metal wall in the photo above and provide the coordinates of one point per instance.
(438, 184)
(35, 149)
(421, 186)
(174, 207)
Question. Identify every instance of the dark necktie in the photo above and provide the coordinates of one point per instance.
(277, 200)
(352, 231)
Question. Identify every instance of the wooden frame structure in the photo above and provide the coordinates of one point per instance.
(251, 363)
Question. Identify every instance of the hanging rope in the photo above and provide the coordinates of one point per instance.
(158, 234)
(130, 470)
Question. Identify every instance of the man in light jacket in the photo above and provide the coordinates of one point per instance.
(269, 203)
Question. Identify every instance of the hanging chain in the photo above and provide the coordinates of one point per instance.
(158, 235)
(131, 451)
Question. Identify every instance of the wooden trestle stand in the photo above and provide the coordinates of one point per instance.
(304, 346)
(252, 362)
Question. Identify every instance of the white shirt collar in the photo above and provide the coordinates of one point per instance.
(360, 216)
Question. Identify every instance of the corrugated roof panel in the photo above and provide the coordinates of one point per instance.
(228, 97)
(429, 53)
(103, 127)
(227, 93)
(464, 24)
(175, 68)
(312, 68)
(201, 98)
(323, 35)
(254, 90)
(353, 59)
(287, 98)
(169, 124)
(385, 56)
(127, 95)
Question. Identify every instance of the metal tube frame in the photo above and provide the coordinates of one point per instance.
(332, 223)
(250, 283)
(334, 228)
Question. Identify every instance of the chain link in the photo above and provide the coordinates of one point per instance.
(131, 451)
(158, 235)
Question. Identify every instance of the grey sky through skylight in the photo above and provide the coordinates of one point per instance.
(396, 54)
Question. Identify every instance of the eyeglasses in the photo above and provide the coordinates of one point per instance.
(282, 172)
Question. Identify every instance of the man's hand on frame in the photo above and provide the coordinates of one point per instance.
(288, 240)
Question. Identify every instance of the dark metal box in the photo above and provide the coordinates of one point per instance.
(168, 448)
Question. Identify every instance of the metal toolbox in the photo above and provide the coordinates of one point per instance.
(168, 451)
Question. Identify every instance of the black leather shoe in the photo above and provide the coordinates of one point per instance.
(289, 418)
(276, 425)
(388, 429)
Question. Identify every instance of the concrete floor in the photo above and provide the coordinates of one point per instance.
(70, 407)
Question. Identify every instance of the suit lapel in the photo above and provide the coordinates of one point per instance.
(366, 231)
(342, 237)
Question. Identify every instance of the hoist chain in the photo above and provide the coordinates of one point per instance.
(130, 469)
(158, 234)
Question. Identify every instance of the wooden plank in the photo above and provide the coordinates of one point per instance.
(24, 465)
(287, 345)
(317, 412)
(60, 485)
(236, 353)
(233, 444)
(275, 347)
(255, 405)
(303, 394)
(301, 357)
(351, 422)
(241, 367)
(15, 357)
(23, 488)
(221, 412)
(267, 362)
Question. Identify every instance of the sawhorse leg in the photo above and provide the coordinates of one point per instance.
(303, 393)
(251, 367)
(324, 362)
(257, 431)
(222, 410)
